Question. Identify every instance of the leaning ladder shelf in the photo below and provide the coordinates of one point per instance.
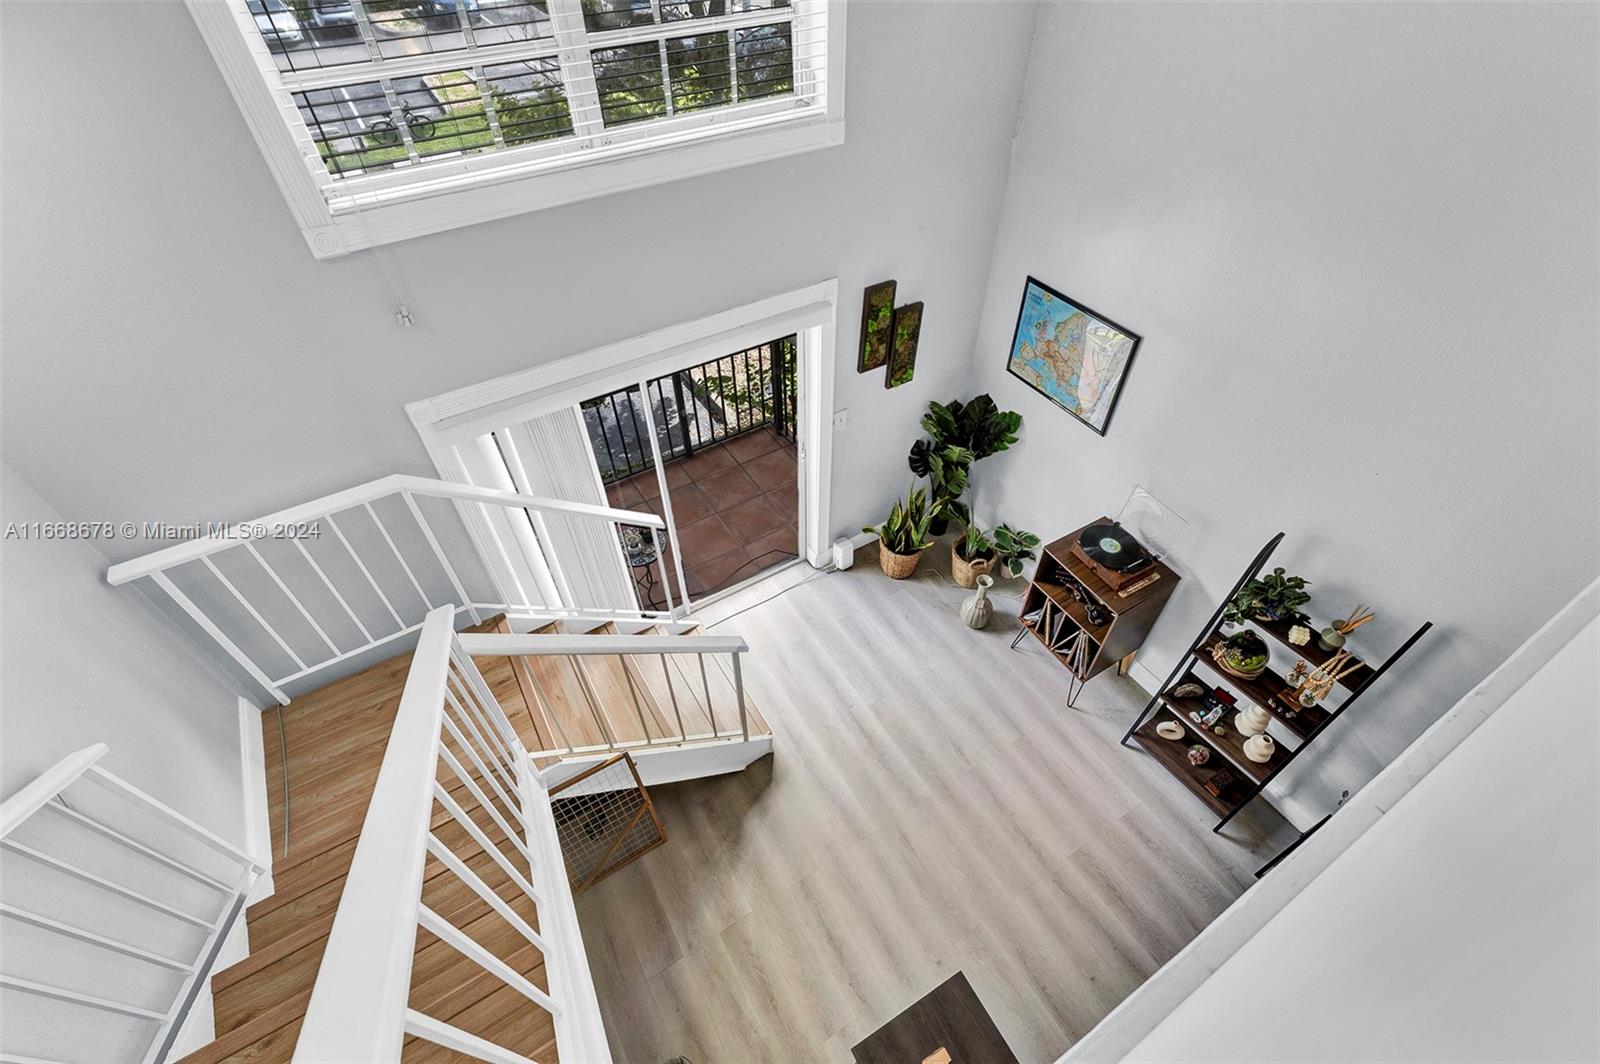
(1245, 779)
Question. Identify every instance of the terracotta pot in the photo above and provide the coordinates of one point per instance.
(965, 572)
(897, 566)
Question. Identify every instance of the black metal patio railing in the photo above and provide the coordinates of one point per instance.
(695, 408)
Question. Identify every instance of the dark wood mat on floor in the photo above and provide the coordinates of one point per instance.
(949, 1026)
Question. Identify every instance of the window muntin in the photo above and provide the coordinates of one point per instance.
(699, 71)
(630, 75)
(528, 100)
(764, 58)
(628, 81)
(304, 35)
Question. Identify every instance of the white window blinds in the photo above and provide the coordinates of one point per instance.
(384, 95)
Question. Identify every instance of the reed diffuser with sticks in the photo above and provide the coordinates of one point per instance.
(1333, 636)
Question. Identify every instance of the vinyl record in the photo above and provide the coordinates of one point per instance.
(1110, 546)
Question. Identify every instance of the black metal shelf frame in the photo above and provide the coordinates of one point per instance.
(1194, 654)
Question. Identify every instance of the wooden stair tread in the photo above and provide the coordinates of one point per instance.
(563, 697)
(724, 697)
(682, 703)
(334, 738)
(244, 990)
(615, 684)
(505, 1017)
(271, 925)
(261, 1038)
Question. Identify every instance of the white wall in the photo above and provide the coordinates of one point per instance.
(1359, 244)
(1460, 927)
(86, 663)
(83, 663)
(173, 352)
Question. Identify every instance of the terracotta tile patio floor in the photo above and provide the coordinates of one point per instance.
(736, 504)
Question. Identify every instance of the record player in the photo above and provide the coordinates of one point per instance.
(1114, 555)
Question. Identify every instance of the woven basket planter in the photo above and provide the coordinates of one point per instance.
(966, 573)
(897, 566)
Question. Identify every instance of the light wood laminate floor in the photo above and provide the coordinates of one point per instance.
(932, 806)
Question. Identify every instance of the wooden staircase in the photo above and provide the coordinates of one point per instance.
(323, 754)
(578, 702)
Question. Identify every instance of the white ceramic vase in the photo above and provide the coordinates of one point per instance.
(977, 610)
(1251, 720)
(1260, 748)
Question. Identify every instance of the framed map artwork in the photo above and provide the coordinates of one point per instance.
(1074, 357)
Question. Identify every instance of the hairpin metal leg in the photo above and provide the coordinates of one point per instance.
(1018, 639)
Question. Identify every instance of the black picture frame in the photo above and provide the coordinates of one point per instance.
(1122, 379)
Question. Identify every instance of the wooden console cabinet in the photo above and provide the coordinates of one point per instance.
(1087, 625)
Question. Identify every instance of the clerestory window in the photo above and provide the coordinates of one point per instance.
(388, 104)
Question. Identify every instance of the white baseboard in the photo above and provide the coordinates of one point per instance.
(1145, 677)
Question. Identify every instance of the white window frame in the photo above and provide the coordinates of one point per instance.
(372, 210)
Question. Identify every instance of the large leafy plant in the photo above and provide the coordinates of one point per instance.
(905, 530)
(947, 469)
(960, 434)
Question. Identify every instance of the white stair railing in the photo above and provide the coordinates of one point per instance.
(118, 846)
(276, 619)
(693, 685)
(360, 1008)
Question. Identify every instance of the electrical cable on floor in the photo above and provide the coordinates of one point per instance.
(820, 573)
(828, 569)
(1001, 595)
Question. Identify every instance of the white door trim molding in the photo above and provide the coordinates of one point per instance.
(815, 346)
(452, 419)
(529, 393)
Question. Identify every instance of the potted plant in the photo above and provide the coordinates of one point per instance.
(1013, 548)
(903, 536)
(971, 555)
(960, 434)
(1275, 597)
(1243, 654)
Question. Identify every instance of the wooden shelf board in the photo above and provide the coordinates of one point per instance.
(1230, 742)
(1074, 609)
(1263, 692)
(1173, 754)
(1033, 627)
(1313, 653)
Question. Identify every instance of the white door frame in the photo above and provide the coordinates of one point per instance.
(455, 418)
